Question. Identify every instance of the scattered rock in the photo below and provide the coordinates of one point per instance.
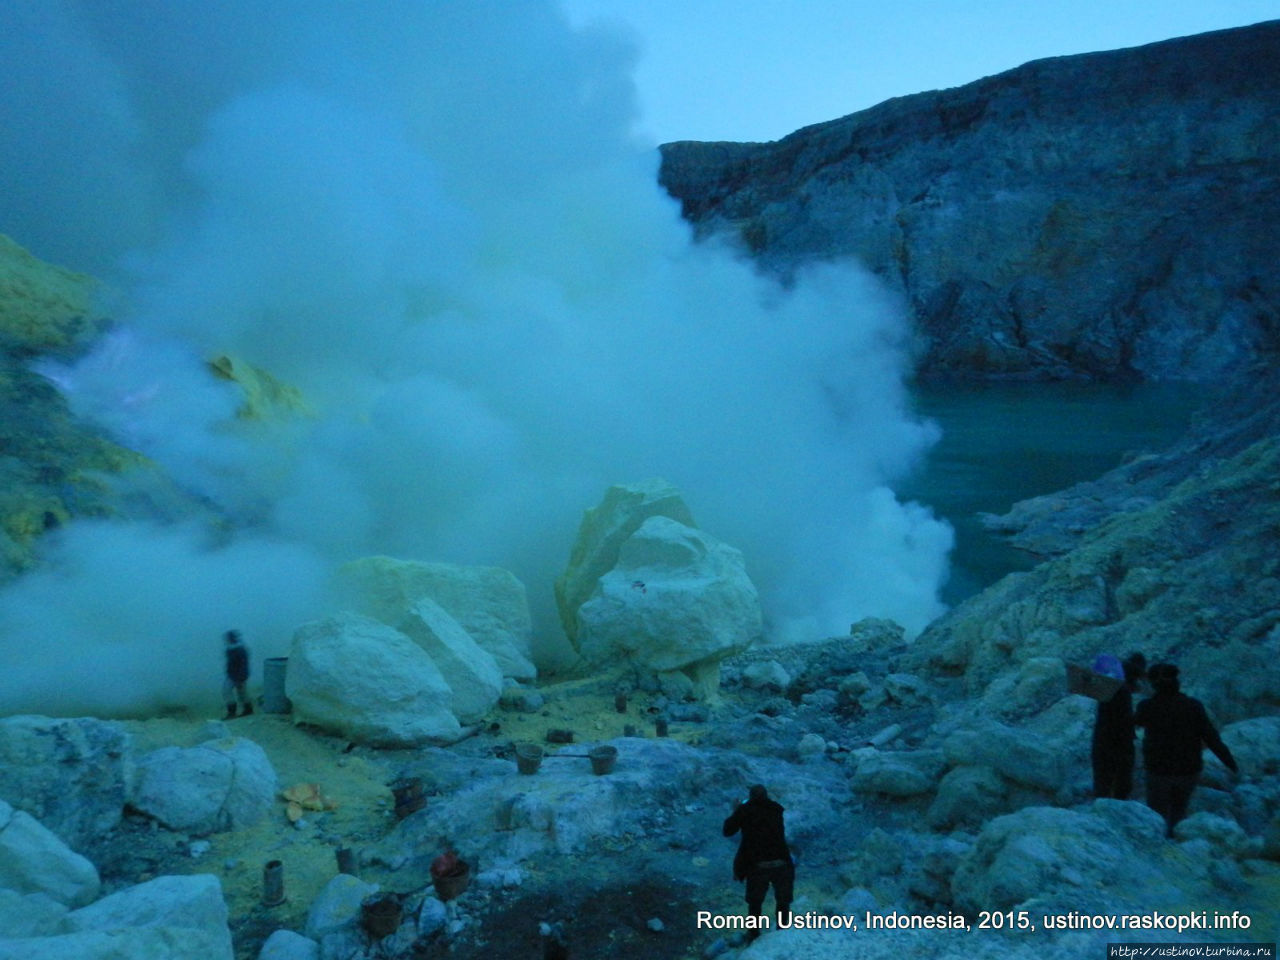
(811, 747)
(890, 775)
(287, 945)
(337, 906)
(769, 675)
(1019, 755)
(1253, 743)
(521, 699)
(967, 796)
(35, 860)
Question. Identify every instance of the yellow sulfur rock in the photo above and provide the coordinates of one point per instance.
(306, 796)
(42, 307)
(264, 396)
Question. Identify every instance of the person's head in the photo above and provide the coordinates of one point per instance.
(1164, 677)
(1135, 667)
(233, 636)
(757, 793)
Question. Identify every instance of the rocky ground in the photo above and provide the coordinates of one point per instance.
(895, 804)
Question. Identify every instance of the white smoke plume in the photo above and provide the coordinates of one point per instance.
(433, 219)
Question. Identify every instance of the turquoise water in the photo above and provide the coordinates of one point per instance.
(1005, 442)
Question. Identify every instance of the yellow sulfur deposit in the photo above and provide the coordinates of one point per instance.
(264, 396)
(42, 307)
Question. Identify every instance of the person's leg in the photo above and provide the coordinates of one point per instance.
(1101, 775)
(246, 705)
(229, 697)
(784, 881)
(1180, 789)
(1124, 776)
(1158, 798)
(757, 887)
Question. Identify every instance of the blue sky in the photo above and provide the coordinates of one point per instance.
(759, 69)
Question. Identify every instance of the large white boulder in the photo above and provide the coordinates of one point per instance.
(1015, 753)
(892, 775)
(193, 900)
(222, 784)
(70, 774)
(1092, 858)
(287, 945)
(364, 680)
(490, 603)
(677, 599)
(168, 918)
(472, 674)
(33, 859)
(1253, 743)
(601, 535)
(29, 914)
(967, 796)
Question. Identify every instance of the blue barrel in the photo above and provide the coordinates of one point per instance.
(273, 697)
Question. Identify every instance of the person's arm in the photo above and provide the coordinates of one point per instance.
(733, 823)
(1214, 742)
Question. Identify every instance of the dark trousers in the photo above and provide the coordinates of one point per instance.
(1112, 772)
(783, 878)
(1169, 796)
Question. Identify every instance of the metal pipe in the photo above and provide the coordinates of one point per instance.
(273, 883)
(347, 862)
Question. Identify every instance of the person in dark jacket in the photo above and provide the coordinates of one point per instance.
(1113, 732)
(1176, 731)
(763, 857)
(233, 687)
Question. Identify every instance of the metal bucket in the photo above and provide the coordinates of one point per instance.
(380, 915)
(528, 757)
(273, 696)
(603, 759)
(409, 796)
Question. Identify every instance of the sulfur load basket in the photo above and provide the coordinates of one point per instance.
(380, 915)
(451, 885)
(409, 796)
(1097, 686)
(528, 757)
(602, 759)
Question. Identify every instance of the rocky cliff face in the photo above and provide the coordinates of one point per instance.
(1106, 215)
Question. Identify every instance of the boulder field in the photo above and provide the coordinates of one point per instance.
(904, 797)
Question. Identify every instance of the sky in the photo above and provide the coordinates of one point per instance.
(760, 69)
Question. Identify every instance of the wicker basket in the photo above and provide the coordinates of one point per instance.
(1084, 681)
(454, 884)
